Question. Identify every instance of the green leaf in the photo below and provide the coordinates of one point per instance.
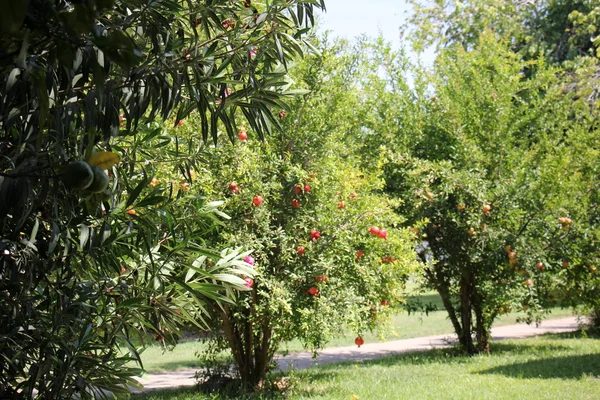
(84, 235)
(138, 189)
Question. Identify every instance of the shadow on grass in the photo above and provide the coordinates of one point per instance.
(569, 367)
(579, 334)
(164, 394)
(231, 392)
(448, 355)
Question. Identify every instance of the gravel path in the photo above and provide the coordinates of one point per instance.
(371, 351)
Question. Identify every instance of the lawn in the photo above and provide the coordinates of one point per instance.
(403, 326)
(565, 366)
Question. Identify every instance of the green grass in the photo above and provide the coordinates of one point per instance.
(565, 366)
(403, 326)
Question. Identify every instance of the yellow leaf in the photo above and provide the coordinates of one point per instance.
(103, 159)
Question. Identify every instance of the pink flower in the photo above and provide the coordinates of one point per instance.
(249, 260)
(249, 282)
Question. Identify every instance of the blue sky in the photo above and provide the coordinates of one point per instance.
(350, 18)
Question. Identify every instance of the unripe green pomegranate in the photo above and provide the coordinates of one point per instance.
(100, 182)
(78, 175)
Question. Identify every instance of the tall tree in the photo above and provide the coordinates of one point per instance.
(560, 29)
(481, 159)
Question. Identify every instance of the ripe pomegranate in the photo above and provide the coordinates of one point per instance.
(282, 114)
(528, 282)
(471, 232)
(321, 278)
(511, 254)
(242, 135)
(297, 189)
(382, 234)
(384, 303)
(374, 230)
(226, 23)
(486, 209)
(180, 122)
(123, 270)
(300, 250)
(131, 212)
(359, 254)
(315, 235)
(233, 187)
(257, 200)
(249, 260)
(341, 205)
(565, 222)
(249, 282)
(359, 341)
(313, 291)
(295, 203)
(540, 266)
(154, 183)
(306, 189)
(565, 264)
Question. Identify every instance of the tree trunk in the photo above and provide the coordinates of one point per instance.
(483, 327)
(252, 352)
(452, 314)
(466, 307)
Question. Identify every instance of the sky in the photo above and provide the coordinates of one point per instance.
(351, 18)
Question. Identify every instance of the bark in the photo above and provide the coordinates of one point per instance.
(452, 314)
(483, 324)
(252, 352)
(466, 307)
(233, 338)
(442, 288)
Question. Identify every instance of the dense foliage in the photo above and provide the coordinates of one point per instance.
(305, 208)
(94, 254)
(560, 30)
(489, 182)
(318, 179)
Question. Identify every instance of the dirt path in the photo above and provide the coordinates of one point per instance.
(371, 351)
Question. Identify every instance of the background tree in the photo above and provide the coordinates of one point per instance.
(486, 182)
(86, 266)
(560, 29)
